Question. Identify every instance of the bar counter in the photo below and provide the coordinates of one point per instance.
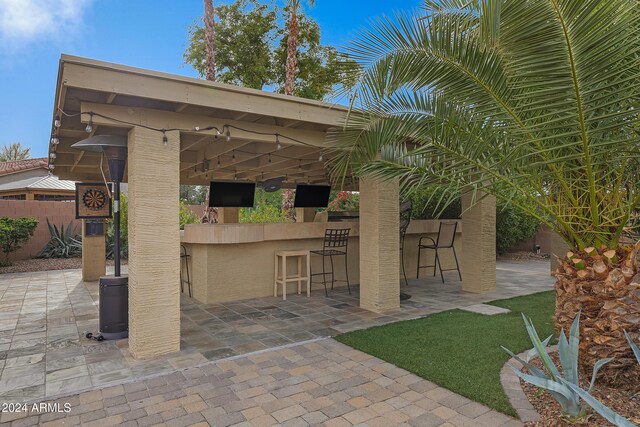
(230, 262)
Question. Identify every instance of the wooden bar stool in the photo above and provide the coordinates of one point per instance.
(283, 279)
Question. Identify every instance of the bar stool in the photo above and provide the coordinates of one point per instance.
(335, 244)
(184, 257)
(445, 239)
(283, 279)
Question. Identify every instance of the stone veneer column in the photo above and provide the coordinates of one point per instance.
(379, 245)
(478, 260)
(154, 243)
(94, 255)
(228, 215)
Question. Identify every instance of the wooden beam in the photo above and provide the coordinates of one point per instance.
(111, 97)
(165, 119)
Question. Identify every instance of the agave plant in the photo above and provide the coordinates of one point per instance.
(63, 243)
(634, 347)
(564, 384)
(532, 101)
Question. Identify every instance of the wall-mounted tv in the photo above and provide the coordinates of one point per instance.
(312, 196)
(231, 194)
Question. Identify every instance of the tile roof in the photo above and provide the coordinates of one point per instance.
(7, 168)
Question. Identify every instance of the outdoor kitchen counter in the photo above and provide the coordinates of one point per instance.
(231, 262)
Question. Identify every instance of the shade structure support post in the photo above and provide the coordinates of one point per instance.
(478, 259)
(379, 244)
(154, 243)
(116, 229)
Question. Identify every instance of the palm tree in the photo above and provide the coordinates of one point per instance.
(13, 152)
(210, 215)
(292, 45)
(210, 39)
(533, 101)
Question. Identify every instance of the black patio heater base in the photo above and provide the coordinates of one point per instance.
(114, 309)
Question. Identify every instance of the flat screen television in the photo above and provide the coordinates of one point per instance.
(311, 196)
(231, 194)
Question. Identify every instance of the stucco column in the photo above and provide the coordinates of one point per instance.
(94, 256)
(379, 245)
(228, 215)
(478, 261)
(305, 214)
(154, 243)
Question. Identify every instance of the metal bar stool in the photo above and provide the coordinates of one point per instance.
(184, 257)
(405, 219)
(335, 244)
(446, 236)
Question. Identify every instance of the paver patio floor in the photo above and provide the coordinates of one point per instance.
(315, 383)
(44, 315)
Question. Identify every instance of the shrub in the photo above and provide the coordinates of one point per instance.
(267, 209)
(564, 384)
(513, 226)
(344, 201)
(434, 204)
(14, 232)
(187, 216)
(63, 243)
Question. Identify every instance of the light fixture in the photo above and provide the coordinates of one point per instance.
(55, 140)
(299, 165)
(228, 137)
(57, 123)
(52, 156)
(321, 157)
(278, 145)
(165, 140)
(89, 127)
(52, 167)
(218, 161)
(235, 176)
(269, 158)
(233, 156)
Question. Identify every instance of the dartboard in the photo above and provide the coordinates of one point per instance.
(94, 199)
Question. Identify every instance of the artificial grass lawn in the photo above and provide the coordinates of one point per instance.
(459, 350)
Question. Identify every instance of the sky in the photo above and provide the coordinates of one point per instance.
(140, 33)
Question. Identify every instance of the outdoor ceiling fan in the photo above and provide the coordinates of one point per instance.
(272, 184)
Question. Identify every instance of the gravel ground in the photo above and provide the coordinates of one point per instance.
(27, 265)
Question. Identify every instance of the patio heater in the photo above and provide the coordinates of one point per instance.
(114, 290)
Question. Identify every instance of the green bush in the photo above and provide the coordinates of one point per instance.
(63, 243)
(429, 203)
(187, 216)
(267, 208)
(14, 232)
(513, 226)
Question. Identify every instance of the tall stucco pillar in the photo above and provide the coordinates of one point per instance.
(94, 256)
(228, 215)
(478, 261)
(305, 214)
(379, 245)
(154, 243)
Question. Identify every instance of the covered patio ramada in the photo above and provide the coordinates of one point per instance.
(190, 131)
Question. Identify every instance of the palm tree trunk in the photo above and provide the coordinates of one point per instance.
(604, 285)
(292, 52)
(210, 214)
(210, 39)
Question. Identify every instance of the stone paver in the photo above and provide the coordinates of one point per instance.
(44, 315)
(304, 363)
